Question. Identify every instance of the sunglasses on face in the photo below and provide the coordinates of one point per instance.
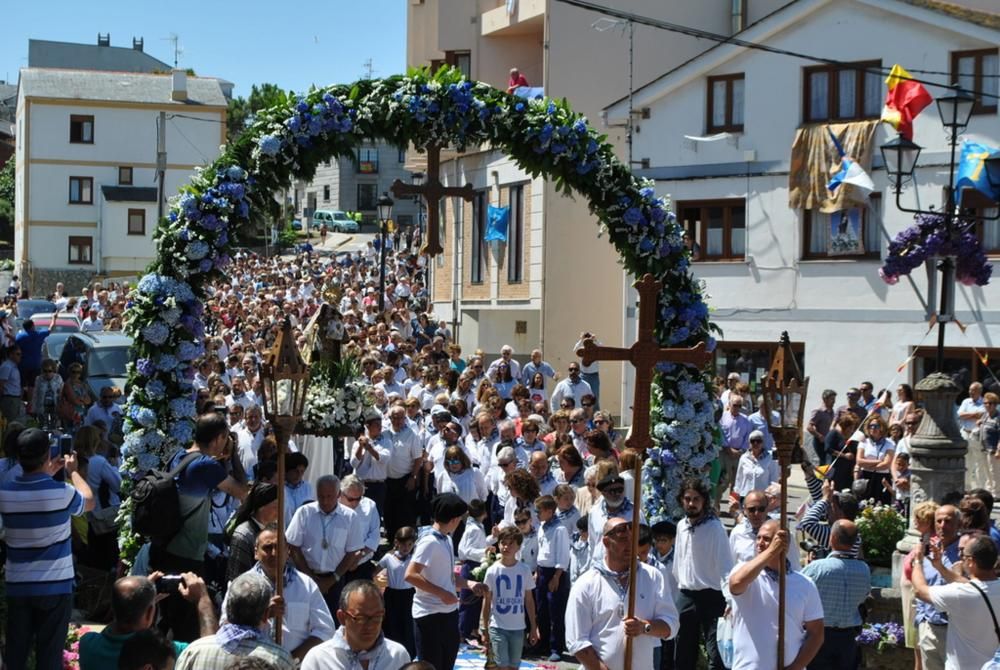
(615, 490)
(756, 510)
(349, 498)
(453, 461)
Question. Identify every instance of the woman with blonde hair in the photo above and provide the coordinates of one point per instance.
(874, 459)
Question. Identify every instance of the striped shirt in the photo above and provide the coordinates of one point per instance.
(36, 511)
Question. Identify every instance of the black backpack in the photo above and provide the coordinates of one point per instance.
(156, 511)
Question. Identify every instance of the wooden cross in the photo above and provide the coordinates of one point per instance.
(644, 354)
(432, 191)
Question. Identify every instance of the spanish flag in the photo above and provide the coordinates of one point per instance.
(905, 99)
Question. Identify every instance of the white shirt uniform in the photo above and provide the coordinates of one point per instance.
(306, 613)
(366, 514)
(598, 516)
(755, 618)
(395, 569)
(472, 546)
(595, 613)
(468, 484)
(971, 638)
(249, 443)
(369, 469)
(755, 474)
(743, 542)
(433, 551)
(702, 557)
(553, 545)
(325, 539)
(567, 389)
(404, 447)
(336, 654)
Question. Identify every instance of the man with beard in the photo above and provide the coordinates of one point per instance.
(370, 459)
(596, 623)
(702, 560)
(613, 504)
(250, 436)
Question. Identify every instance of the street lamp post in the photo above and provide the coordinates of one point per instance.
(417, 179)
(384, 214)
(900, 158)
(285, 378)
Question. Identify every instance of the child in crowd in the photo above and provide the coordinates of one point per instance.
(431, 572)
(298, 491)
(901, 484)
(566, 512)
(529, 542)
(471, 550)
(398, 595)
(552, 590)
(579, 559)
(508, 600)
(656, 548)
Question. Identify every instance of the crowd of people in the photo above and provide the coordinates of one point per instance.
(484, 502)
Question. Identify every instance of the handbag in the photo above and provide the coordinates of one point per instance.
(996, 628)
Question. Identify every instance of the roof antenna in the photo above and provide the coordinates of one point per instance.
(178, 49)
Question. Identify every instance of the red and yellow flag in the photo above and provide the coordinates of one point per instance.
(904, 101)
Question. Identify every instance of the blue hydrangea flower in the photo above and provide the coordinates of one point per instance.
(156, 389)
(182, 431)
(188, 351)
(166, 362)
(144, 416)
(145, 367)
(269, 145)
(182, 407)
(197, 250)
(156, 333)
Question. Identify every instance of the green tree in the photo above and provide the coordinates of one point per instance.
(7, 181)
(242, 111)
(7, 202)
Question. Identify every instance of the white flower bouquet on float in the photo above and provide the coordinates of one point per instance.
(336, 399)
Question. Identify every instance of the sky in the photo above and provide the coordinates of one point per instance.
(246, 42)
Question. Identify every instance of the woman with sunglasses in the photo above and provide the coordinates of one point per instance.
(874, 460)
(756, 469)
(459, 477)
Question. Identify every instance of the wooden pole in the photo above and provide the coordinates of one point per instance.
(282, 433)
(782, 568)
(633, 566)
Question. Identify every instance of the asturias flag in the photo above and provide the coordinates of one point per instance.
(905, 99)
(496, 227)
(972, 170)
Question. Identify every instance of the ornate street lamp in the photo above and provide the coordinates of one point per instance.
(784, 406)
(955, 110)
(900, 158)
(384, 214)
(417, 179)
(285, 377)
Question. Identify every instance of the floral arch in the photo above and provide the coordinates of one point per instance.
(545, 137)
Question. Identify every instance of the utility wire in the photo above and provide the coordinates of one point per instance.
(732, 39)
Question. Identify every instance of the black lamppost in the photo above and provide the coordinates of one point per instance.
(900, 158)
(384, 215)
(417, 179)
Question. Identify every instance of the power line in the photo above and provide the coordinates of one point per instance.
(732, 39)
(192, 144)
(193, 118)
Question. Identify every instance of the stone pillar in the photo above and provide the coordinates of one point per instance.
(937, 453)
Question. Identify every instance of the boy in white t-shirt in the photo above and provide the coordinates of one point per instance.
(398, 594)
(510, 585)
(432, 573)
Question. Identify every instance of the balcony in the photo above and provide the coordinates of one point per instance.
(527, 17)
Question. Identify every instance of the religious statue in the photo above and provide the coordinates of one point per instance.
(325, 334)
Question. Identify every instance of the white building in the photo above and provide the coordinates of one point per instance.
(768, 267)
(86, 196)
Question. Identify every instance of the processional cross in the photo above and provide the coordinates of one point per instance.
(644, 354)
(432, 190)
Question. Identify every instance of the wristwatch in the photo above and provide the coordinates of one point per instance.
(648, 628)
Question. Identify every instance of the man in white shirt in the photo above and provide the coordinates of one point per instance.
(591, 373)
(326, 540)
(239, 396)
(972, 639)
(753, 589)
(969, 413)
(92, 323)
(572, 387)
(405, 459)
(306, 619)
(370, 459)
(359, 640)
(743, 537)
(702, 559)
(596, 623)
(614, 504)
(250, 435)
(104, 410)
(506, 358)
(352, 496)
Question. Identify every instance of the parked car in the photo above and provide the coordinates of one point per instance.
(67, 323)
(27, 309)
(335, 220)
(296, 225)
(105, 359)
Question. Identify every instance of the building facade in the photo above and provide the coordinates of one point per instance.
(720, 139)
(86, 195)
(555, 278)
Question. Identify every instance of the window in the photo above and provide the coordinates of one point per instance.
(725, 103)
(715, 230)
(81, 250)
(326, 193)
(137, 222)
(401, 156)
(124, 175)
(858, 232)
(842, 92)
(460, 60)
(515, 235)
(975, 203)
(752, 359)
(404, 220)
(367, 197)
(479, 205)
(81, 190)
(81, 129)
(368, 160)
(977, 72)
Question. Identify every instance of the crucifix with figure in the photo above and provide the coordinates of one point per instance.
(644, 354)
(432, 191)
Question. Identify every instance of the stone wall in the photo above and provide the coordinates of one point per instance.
(40, 282)
(887, 606)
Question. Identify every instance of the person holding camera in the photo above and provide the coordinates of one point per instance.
(133, 604)
(40, 574)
